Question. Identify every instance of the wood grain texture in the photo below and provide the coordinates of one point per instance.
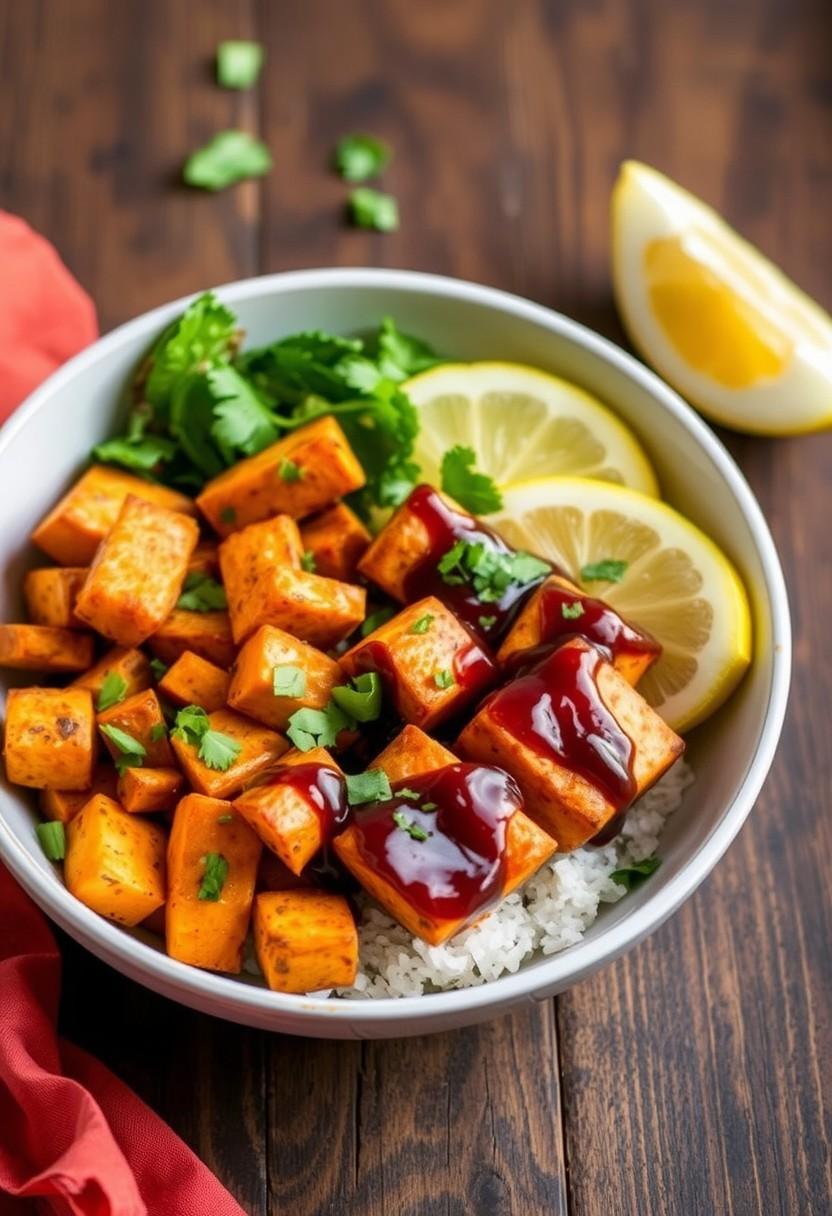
(693, 1075)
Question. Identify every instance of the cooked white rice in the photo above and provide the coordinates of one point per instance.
(553, 911)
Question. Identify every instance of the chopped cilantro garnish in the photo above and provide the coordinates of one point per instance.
(572, 611)
(414, 830)
(444, 678)
(358, 157)
(113, 691)
(218, 751)
(472, 490)
(158, 668)
(429, 806)
(307, 561)
(190, 724)
(213, 877)
(201, 593)
(238, 64)
(375, 620)
(225, 818)
(406, 792)
(289, 681)
(158, 731)
(401, 355)
(228, 515)
(52, 838)
(372, 786)
(423, 624)
(489, 571)
(486, 622)
(289, 471)
(310, 728)
(131, 751)
(228, 158)
(361, 698)
(372, 209)
(635, 874)
(609, 570)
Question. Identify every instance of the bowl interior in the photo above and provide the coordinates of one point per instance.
(45, 449)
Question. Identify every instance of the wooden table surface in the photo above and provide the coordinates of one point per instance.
(691, 1076)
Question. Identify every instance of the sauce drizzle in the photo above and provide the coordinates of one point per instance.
(323, 788)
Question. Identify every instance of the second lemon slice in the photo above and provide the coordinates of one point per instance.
(523, 423)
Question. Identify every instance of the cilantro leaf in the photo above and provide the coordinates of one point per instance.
(144, 455)
(358, 157)
(244, 424)
(218, 751)
(608, 570)
(201, 593)
(52, 839)
(635, 874)
(401, 355)
(572, 611)
(310, 728)
(288, 681)
(228, 158)
(203, 336)
(213, 877)
(372, 786)
(238, 64)
(444, 678)
(414, 830)
(375, 620)
(372, 209)
(489, 571)
(406, 792)
(361, 698)
(472, 490)
(307, 561)
(191, 422)
(131, 751)
(158, 668)
(113, 691)
(486, 622)
(289, 471)
(190, 724)
(423, 624)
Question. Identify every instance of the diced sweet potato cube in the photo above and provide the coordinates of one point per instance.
(65, 804)
(564, 802)
(115, 862)
(265, 586)
(259, 748)
(337, 539)
(140, 717)
(207, 634)
(430, 664)
(209, 932)
(50, 594)
(410, 753)
(205, 559)
(541, 621)
(137, 573)
(402, 544)
(147, 790)
(44, 648)
(290, 818)
(296, 476)
(192, 680)
(252, 688)
(305, 940)
(50, 738)
(129, 664)
(73, 530)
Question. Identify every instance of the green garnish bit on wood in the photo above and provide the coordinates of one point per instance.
(228, 158)
(238, 64)
(371, 209)
(359, 157)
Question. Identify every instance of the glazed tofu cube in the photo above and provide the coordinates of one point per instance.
(207, 634)
(137, 573)
(269, 656)
(149, 790)
(570, 801)
(50, 595)
(337, 539)
(430, 664)
(410, 753)
(65, 804)
(296, 476)
(44, 648)
(212, 868)
(305, 940)
(192, 680)
(402, 544)
(73, 530)
(50, 739)
(543, 621)
(115, 862)
(298, 807)
(141, 717)
(259, 748)
(128, 664)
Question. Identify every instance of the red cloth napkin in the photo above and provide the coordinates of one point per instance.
(71, 1133)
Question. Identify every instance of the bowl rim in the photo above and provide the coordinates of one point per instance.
(192, 985)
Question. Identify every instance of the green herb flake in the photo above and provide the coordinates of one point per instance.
(190, 724)
(361, 698)
(158, 668)
(201, 593)
(414, 830)
(423, 624)
(288, 681)
(572, 611)
(443, 678)
(429, 806)
(359, 157)
(289, 471)
(213, 877)
(52, 839)
(228, 515)
(218, 751)
(486, 622)
(228, 158)
(113, 691)
(238, 64)
(477, 492)
(375, 620)
(635, 874)
(407, 792)
(131, 751)
(225, 818)
(487, 570)
(307, 561)
(372, 786)
(609, 570)
(158, 731)
(310, 728)
(371, 209)
(400, 355)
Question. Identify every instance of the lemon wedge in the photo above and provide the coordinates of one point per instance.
(719, 322)
(675, 583)
(522, 423)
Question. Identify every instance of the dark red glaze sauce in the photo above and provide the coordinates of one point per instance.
(458, 870)
(322, 787)
(445, 526)
(598, 623)
(472, 668)
(557, 710)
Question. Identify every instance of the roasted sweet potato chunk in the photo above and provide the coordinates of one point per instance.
(44, 648)
(73, 530)
(129, 664)
(65, 804)
(259, 748)
(430, 664)
(207, 634)
(269, 655)
(50, 594)
(137, 573)
(140, 717)
(212, 868)
(115, 862)
(337, 539)
(310, 468)
(50, 739)
(410, 753)
(305, 940)
(401, 545)
(192, 680)
(148, 790)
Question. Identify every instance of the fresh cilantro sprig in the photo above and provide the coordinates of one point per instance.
(477, 492)
(489, 572)
(633, 875)
(216, 750)
(359, 157)
(373, 209)
(238, 63)
(201, 593)
(228, 158)
(361, 698)
(310, 728)
(113, 691)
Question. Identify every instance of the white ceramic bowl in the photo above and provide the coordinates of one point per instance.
(44, 446)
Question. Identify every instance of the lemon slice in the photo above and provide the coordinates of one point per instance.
(522, 423)
(677, 584)
(714, 317)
